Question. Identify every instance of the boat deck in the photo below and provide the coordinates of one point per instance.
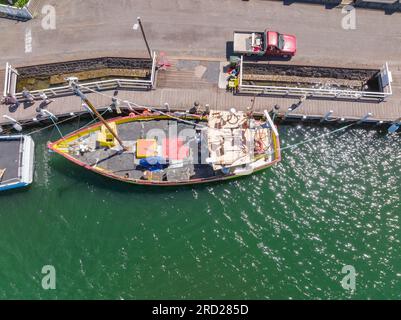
(10, 159)
(126, 164)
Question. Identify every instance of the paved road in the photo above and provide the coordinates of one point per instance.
(201, 28)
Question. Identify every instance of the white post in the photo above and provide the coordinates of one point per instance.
(6, 80)
(153, 75)
(287, 113)
(48, 113)
(327, 115)
(240, 72)
(365, 117)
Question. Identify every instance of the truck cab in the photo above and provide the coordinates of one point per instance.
(280, 44)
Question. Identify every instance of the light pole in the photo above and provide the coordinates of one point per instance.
(143, 34)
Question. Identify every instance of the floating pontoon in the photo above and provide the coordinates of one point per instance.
(16, 161)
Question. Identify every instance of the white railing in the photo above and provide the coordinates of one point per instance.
(6, 80)
(10, 80)
(322, 93)
(98, 85)
(153, 72)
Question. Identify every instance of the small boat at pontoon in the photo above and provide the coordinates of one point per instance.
(169, 149)
(16, 161)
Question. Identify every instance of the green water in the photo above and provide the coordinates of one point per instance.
(284, 233)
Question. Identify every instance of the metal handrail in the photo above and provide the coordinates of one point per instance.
(6, 80)
(98, 85)
(332, 93)
(153, 73)
(313, 92)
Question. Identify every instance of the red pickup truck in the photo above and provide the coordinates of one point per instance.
(267, 43)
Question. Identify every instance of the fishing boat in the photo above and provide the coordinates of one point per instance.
(16, 161)
(170, 149)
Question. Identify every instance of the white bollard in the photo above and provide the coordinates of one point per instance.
(85, 106)
(167, 106)
(326, 116)
(45, 112)
(287, 113)
(365, 117)
(17, 127)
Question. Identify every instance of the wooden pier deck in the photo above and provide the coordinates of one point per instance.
(184, 83)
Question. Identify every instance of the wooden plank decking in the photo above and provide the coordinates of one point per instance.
(180, 91)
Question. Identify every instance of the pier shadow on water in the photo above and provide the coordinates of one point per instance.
(81, 175)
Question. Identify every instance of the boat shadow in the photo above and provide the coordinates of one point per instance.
(15, 191)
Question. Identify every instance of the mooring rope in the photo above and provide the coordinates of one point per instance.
(51, 125)
(58, 129)
(65, 120)
(316, 138)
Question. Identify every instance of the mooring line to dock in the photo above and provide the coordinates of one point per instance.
(51, 125)
(62, 121)
(58, 129)
(316, 138)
